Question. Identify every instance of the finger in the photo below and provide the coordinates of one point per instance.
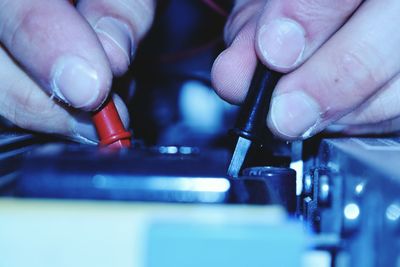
(382, 106)
(54, 43)
(122, 110)
(391, 126)
(120, 25)
(29, 107)
(312, 23)
(358, 60)
(242, 13)
(232, 70)
(290, 31)
(26, 105)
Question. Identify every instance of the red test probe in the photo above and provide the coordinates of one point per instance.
(109, 126)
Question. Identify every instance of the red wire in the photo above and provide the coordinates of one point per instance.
(172, 57)
(190, 52)
(215, 7)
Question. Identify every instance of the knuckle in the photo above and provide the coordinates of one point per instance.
(137, 14)
(377, 114)
(27, 25)
(23, 110)
(317, 8)
(347, 6)
(353, 68)
(242, 14)
(384, 105)
(318, 15)
(356, 72)
(4, 6)
(143, 15)
(30, 110)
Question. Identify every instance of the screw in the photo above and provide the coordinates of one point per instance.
(352, 214)
(323, 190)
(307, 185)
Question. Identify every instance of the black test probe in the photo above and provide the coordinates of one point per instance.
(251, 122)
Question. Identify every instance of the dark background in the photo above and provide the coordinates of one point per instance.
(168, 88)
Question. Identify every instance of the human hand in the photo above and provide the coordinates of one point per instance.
(341, 59)
(52, 49)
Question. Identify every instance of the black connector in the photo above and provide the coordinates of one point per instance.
(251, 122)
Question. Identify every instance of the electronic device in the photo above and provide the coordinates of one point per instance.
(346, 215)
(167, 201)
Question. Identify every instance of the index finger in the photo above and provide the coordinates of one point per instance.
(350, 68)
(58, 48)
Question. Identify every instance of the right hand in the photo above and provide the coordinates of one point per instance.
(51, 49)
(340, 59)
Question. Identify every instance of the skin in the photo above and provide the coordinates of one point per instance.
(340, 58)
(56, 59)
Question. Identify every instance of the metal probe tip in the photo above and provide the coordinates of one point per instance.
(242, 147)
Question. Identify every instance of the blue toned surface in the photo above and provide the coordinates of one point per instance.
(234, 245)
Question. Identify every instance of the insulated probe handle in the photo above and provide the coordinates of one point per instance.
(251, 123)
(109, 127)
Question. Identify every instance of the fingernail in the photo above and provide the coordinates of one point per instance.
(75, 82)
(118, 33)
(294, 114)
(282, 42)
(83, 129)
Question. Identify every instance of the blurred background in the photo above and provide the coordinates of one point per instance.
(168, 89)
(169, 202)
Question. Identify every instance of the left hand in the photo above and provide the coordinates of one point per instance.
(51, 49)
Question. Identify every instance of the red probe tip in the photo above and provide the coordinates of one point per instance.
(109, 127)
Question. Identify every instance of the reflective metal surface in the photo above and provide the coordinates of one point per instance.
(351, 191)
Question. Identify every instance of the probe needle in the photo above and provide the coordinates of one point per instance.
(251, 122)
(241, 149)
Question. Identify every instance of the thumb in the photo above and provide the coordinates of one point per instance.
(59, 50)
